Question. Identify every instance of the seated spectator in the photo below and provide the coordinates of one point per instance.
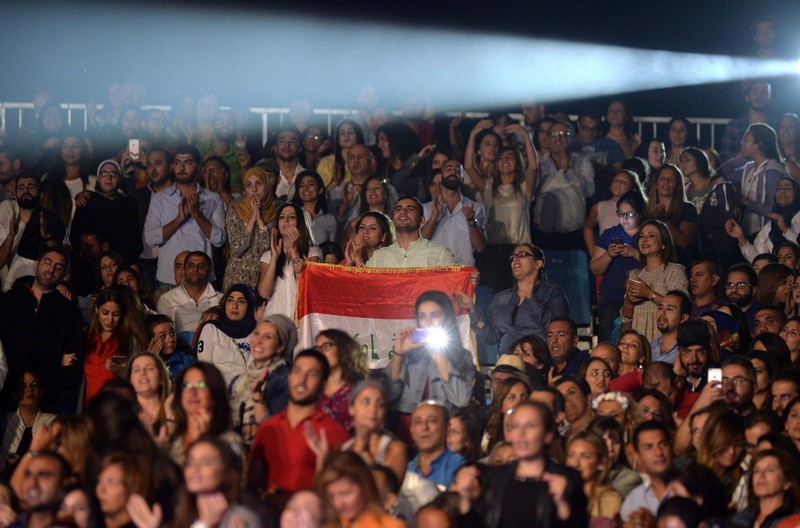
(163, 342)
(151, 382)
(509, 393)
(775, 286)
(653, 447)
(596, 373)
(350, 491)
(658, 273)
(621, 477)
(562, 343)
(673, 309)
(184, 304)
(434, 460)
(741, 285)
(260, 392)
(577, 410)
(287, 447)
(587, 454)
(348, 366)
(525, 309)
(129, 276)
(614, 255)
(463, 435)
(608, 353)
(20, 426)
(225, 342)
(116, 335)
(703, 280)
(772, 490)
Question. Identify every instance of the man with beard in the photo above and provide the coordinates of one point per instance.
(223, 145)
(738, 384)
(454, 220)
(184, 216)
(740, 288)
(673, 309)
(44, 335)
(287, 154)
(411, 250)
(284, 455)
(43, 479)
(695, 352)
(26, 229)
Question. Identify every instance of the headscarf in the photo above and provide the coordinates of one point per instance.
(98, 190)
(787, 212)
(268, 210)
(287, 333)
(244, 327)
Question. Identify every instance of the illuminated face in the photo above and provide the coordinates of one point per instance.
(108, 178)
(787, 131)
(255, 187)
(430, 315)
(287, 145)
(654, 452)
(630, 218)
(370, 232)
(286, 218)
(768, 478)
(203, 469)
(359, 160)
(583, 457)
(598, 374)
(374, 193)
(312, 139)
(575, 403)
(145, 376)
(455, 435)
(701, 281)
(507, 162)
(157, 167)
(236, 306)
(50, 270)
(790, 333)
(559, 137)
(694, 359)
(650, 241)
(264, 342)
(309, 190)
(631, 349)
(195, 396)
(126, 278)
(677, 134)
(428, 428)
(368, 409)
(347, 136)
(407, 216)
(523, 263)
(108, 315)
(184, 167)
(518, 393)
(165, 333)
(620, 184)
(656, 154)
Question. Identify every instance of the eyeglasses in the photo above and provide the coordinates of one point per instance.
(315, 137)
(199, 385)
(559, 133)
(325, 347)
(736, 285)
(520, 255)
(108, 173)
(626, 214)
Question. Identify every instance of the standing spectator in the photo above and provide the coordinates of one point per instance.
(333, 167)
(757, 99)
(668, 204)
(287, 154)
(348, 367)
(679, 136)
(761, 176)
(310, 196)
(651, 441)
(566, 182)
(184, 216)
(249, 225)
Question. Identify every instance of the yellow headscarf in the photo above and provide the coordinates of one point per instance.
(245, 209)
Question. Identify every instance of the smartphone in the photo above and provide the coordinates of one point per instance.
(617, 241)
(133, 148)
(714, 375)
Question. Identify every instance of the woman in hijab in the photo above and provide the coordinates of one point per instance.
(784, 222)
(249, 225)
(225, 342)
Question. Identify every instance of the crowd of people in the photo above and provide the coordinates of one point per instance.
(150, 369)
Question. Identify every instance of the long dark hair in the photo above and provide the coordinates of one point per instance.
(59, 170)
(440, 298)
(322, 201)
(129, 332)
(339, 163)
(220, 410)
(767, 140)
(352, 362)
(303, 243)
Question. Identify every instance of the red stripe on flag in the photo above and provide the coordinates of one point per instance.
(374, 293)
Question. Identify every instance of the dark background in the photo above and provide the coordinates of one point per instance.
(76, 49)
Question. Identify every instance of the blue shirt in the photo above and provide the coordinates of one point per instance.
(575, 359)
(188, 237)
(667, 357)
(443, 468)
(611, 287)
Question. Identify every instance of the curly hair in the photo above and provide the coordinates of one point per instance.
(352, 361)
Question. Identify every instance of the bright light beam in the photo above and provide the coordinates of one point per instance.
(258, 58)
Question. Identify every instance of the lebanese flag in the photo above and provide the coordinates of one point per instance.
(373, 304)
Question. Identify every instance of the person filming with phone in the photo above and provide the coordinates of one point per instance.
(429, 361)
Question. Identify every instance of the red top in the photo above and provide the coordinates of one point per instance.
(94, 366)
(289, 461)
